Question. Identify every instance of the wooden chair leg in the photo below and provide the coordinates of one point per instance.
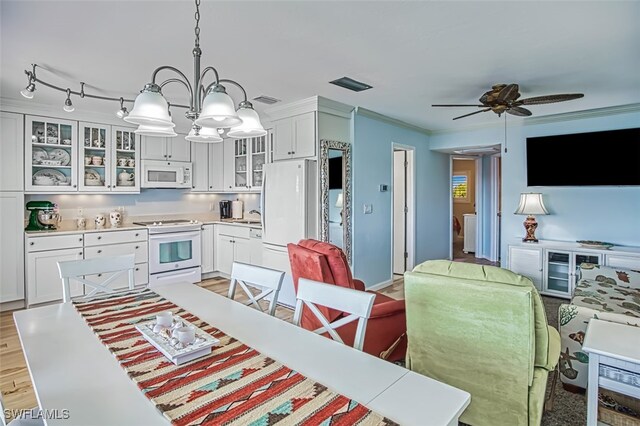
(548, 404)
(385, 354)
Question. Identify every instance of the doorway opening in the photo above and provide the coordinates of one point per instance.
(463, 198)
(476, 205)
(403, 210)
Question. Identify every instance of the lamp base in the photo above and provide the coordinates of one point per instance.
(530, 225)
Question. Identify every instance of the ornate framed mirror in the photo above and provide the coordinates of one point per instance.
(335, 194)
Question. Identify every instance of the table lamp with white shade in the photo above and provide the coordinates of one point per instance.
(530, 204)
(339, 204)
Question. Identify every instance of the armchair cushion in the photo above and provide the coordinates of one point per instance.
(608, 275)
(335, 258)
(554, 349)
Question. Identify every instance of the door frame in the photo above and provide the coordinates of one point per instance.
(496, 194)
(478, 201)
(410, 191)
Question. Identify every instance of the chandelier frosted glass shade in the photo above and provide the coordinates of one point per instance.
(144, 130)
(150, 108)
(218, 109)
(205, 135)
(251, 125)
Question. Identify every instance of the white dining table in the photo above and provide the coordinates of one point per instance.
(72, 370)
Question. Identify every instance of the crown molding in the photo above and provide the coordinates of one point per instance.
(551, 118)
(393, 121)
(312, 104)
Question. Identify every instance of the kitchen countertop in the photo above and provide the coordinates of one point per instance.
(68, 227)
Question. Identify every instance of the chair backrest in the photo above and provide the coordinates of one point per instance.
(470, 324)
(77, 270)
(269, 280)
(356, 303)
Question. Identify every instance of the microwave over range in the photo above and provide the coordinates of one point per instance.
(166, 174)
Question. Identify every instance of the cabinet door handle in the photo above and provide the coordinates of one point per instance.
(99, 238)
(75, 186)
(99, 251)
(137, 234)
(80, 239)
(137, 269)
(80, 253)
(137, 247)
(99, 275)
(169, 156)
(293, 152)
(32, 243)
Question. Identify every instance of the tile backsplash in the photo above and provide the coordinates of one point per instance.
(150, 202)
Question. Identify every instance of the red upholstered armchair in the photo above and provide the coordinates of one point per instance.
(386, 329)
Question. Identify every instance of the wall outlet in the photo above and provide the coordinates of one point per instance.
(367, 208)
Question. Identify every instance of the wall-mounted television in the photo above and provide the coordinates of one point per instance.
(335, 173)
(585, 159)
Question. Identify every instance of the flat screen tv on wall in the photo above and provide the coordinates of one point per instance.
(585, 159)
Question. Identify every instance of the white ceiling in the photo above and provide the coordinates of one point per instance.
(413, 53)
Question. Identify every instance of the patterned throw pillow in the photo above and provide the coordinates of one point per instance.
(608, 275)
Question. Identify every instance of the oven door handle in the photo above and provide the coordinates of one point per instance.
(175, 236)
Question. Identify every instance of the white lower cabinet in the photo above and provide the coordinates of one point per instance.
(43, 278)
(552, 266)
(44, 253)
(11, 246)
(207, 241)
(232, 245)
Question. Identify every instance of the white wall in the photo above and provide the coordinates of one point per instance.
(149, 202)
(592, 213)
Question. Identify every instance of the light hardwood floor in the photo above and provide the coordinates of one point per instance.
(15, 383)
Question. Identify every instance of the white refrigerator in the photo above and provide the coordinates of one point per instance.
(289, 214)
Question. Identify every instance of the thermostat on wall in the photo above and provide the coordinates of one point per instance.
(384, 188)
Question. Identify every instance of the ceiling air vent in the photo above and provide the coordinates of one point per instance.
(266, 99)
(351, 84)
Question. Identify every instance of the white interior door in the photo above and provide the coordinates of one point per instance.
(399, 214)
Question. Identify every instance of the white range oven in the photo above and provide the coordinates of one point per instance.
(174, 251)
(166, 174)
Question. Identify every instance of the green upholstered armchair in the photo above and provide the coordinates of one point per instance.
(482, 329)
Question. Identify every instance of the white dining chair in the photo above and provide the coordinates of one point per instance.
(26, 418)
(356, 303)
(269, 280)
(77, 270)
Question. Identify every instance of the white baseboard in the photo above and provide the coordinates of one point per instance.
(380, 285)
(12, 306)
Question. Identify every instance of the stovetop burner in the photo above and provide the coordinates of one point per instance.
(172, 225)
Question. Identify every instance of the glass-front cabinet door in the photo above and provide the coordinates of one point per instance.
(558, 272)
(50, 155)
(125, 160)
(95, 162)
(258, 159)
(241, 160)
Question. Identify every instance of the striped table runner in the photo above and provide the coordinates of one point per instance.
(235, 384)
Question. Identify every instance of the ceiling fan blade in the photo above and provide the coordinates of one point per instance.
(509, 93)
(519, 111)
(454, 105)
(549, 99)
(473, 113)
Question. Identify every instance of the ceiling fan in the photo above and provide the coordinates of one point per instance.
(504, 98)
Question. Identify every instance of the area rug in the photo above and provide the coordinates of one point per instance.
(234, 385)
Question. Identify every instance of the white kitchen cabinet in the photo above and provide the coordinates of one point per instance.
(527, 261)
(43, 278)
(255, 246)
(11, 151)
(125, 157)
(244, 159)
(207, 251)
(140, 278)
(232, 245)
(295, 137)
(208, 167)
(11, 246)
(163, 148)
(623, 261)
(50, 155)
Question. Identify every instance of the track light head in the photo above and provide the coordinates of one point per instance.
(68, 105)
(28, 91)
(122, 112)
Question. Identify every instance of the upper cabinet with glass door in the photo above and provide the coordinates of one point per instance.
(95, 161)
(247, 156)
(50, 155)
(125, 160)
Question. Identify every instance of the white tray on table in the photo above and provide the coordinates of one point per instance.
(175, 354)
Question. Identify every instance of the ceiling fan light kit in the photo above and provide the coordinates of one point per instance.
(210, 108)
(504, 98)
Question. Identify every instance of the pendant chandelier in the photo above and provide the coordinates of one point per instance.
(211, 110)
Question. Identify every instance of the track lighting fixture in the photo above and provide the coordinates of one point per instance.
(122, 112)
(210, 108)
(68, 105)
